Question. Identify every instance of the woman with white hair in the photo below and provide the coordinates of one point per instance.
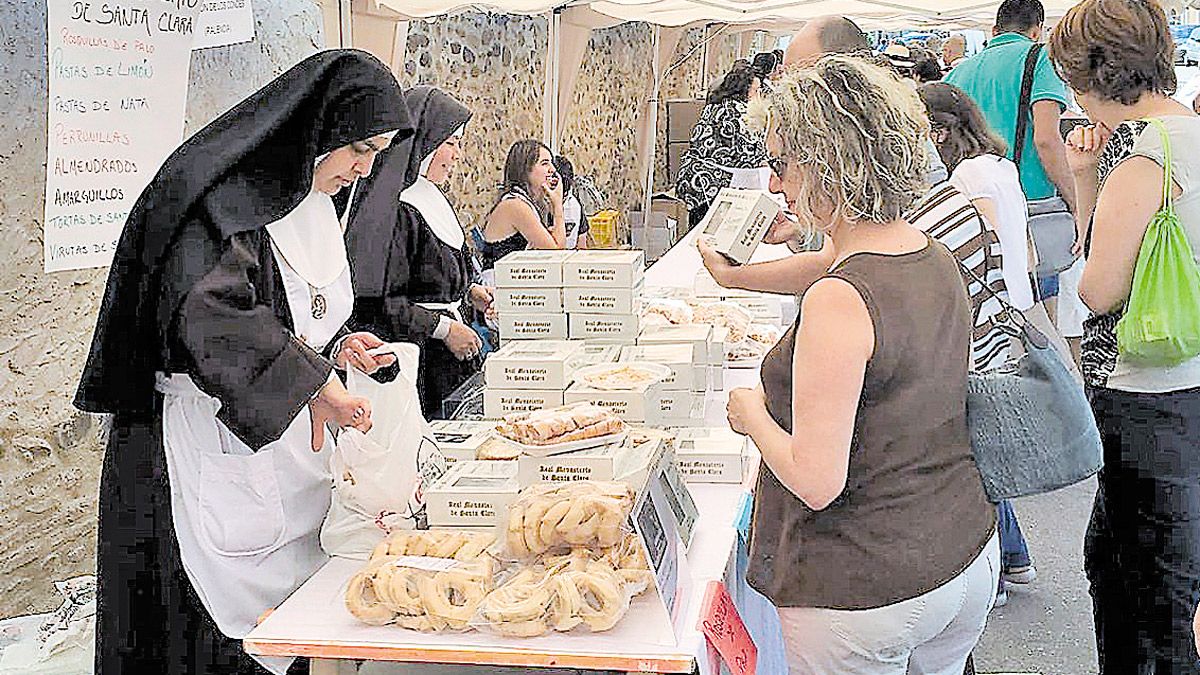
(871, 531)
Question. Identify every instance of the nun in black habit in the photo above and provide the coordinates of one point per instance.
(212, 350)
(417, 285)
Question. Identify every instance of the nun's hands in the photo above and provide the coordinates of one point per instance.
(334, 404)
(462, 341)
(354, 352)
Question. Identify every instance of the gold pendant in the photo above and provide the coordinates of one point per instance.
(318, 307)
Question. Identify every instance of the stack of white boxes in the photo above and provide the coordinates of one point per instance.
(602, 295)
(529, 295)
(526, 375)
(681, 398)
(580, 295)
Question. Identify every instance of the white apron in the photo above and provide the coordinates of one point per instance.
(248, 523)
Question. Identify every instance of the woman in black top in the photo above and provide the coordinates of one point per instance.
(412, 274)
(529, 213)
(722, 146)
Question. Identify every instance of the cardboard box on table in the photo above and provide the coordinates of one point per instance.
(622, 461)
(710, 454)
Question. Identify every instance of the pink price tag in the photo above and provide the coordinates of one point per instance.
(722, 625)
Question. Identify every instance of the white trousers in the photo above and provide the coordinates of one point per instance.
(931, 634)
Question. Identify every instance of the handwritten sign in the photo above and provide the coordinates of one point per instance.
(723, 627)
(224, 22)
(118, 86)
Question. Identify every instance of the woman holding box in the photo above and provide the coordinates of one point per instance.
(871, 530)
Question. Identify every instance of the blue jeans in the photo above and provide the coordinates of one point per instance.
(1013, 549)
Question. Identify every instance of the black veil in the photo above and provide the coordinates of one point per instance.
(373, 215)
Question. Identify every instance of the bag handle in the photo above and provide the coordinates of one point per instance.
(1028, 332)
(1025, 106)
(1168, 201)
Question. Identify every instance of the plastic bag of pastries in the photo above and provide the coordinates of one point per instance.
(551, 516)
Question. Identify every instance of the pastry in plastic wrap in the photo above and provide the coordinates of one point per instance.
(554, 426)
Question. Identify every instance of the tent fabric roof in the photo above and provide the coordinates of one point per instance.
(767, 14)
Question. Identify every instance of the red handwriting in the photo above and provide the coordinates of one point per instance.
(722, 625)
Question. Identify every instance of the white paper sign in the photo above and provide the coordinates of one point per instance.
(224, 22)
(118, 86)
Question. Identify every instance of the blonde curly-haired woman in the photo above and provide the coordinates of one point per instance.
(871, 530)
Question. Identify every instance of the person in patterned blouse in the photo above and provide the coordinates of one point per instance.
(1142, 552)
(722, 147)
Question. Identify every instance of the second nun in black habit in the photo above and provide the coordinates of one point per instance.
(412, 270)
(213, 350)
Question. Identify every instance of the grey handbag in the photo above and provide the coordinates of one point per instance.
(1032, 430)
(1050, 221)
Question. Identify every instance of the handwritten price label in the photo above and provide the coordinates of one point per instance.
(722, 625)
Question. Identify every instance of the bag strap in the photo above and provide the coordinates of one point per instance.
(1014, 316)
(1168, 200)
(1025, 106)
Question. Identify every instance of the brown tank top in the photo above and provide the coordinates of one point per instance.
(913, 514)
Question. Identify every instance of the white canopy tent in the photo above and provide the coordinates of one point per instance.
(380, 26)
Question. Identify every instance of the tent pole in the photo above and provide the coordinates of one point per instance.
(550, 119)
(345, 39)
(704, 56)
(652, 145)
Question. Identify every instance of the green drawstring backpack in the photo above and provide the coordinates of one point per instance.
(1161, 325)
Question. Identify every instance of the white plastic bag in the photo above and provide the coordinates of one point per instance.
(379, 478)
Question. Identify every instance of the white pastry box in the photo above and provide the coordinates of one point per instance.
(605, 269)
(609, 328)
(472, 494)
(765, 309)
(533, 300)
(532, 269)
(459, 440)
(593, 354)
(686, 374)
(631, 405)
(676, 405)
(737, 221)
(603, 300)
(500, 402)
(687, 417)
(523, 326)
(710, 454)
(535, 364)
(697, 335)
(619, 461)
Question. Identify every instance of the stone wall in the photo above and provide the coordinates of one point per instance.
(495, 65)
(49, 453)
